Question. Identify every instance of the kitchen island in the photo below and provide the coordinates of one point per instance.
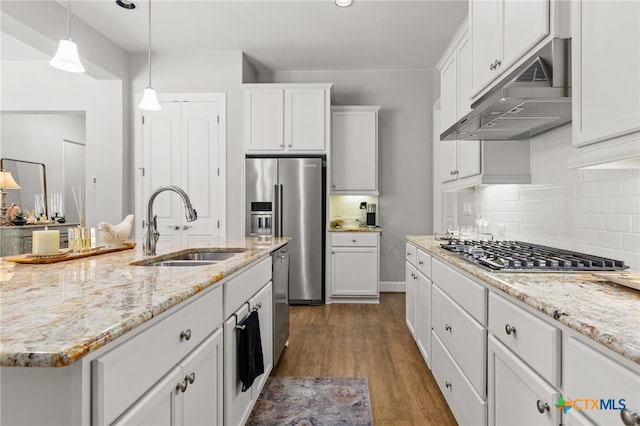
(57, 318)
(507, 347)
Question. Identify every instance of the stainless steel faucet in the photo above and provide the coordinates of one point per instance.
(152, 234)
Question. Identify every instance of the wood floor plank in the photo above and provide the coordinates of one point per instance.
(355, 340)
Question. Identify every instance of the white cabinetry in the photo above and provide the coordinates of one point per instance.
(589, 373)
(411, 287)
(502, 32)
(606, 110)
(124, 379)
(354, 265)
(354, 150)
(286, 118)
(423, 306)
(184, 144)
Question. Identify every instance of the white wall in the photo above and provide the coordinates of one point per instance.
(405, 146)
(591, 211)
(37, 87)
(214, 72)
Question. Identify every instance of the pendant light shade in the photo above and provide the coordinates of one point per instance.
(149, 100)
(66, 57)
(344, 3)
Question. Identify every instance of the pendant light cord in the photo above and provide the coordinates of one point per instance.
(69, 20)
(149, 43)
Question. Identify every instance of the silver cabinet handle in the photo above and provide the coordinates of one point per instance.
(185, 335)
(509, 329)
(420, 262)
(174, 227)
(182, 386)
(190, 378)
(542, 406)
(408, 253)
(448, 328)
(354, 241)
(447, 384)
(290, 145)
(281, 145)
(629, 418)
(186, 227)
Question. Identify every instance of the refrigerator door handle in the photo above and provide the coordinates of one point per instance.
(280, 210)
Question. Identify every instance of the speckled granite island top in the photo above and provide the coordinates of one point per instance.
(52, 315)
(593, 306)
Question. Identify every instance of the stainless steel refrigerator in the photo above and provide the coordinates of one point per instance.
(285, 197)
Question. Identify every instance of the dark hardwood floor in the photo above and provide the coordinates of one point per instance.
(354, 340)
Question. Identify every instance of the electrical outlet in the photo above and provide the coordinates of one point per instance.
(467, 209)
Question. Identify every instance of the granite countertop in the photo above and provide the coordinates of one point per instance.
(588, 303)
(52, 315)
(355, 229)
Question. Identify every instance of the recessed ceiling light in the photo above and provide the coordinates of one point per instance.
(344, 3)
(126, 4)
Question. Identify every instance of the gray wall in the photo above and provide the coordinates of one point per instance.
(405, 146)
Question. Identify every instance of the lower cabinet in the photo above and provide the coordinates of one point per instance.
(191, 394)
(517, 395)
(411, 290)
(423, 316)
(354, 265)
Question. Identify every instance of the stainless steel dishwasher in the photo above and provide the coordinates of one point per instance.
(280, 260)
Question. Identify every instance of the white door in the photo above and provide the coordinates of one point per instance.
(183, 145)
(264, 119)
(305, 121)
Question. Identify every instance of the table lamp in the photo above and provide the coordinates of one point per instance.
(6, 182)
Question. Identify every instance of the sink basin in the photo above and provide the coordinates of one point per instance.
(199, 258)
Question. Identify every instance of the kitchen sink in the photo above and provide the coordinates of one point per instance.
(198, 258)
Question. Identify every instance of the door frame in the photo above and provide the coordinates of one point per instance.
(138, 165)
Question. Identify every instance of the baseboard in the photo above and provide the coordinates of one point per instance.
(392, 286)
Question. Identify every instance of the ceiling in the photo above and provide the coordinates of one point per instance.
(286, 35)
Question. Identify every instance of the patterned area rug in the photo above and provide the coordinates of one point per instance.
(317, 401)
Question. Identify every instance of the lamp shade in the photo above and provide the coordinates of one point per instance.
(7, 181)
(149, 100)
(344, 3)
(66, 57)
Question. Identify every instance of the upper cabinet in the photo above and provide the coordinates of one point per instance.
(606, 86)
(503, 32)
(354, 150)
(286, 118)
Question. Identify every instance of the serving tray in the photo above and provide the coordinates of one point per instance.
(65, 256)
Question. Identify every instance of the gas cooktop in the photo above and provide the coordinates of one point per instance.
(519, 256)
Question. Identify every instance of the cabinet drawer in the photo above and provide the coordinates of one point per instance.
(591, 374)
(534, 340)
(122, 375)
(240, 289)
(471, 296)
(464, 337)
(424, 263)
(411, 254)
(354, 239)
(467, 407)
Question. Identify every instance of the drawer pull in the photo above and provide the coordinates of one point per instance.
(447, 384)
(354, 241)
(408, 253)
(185, 335)
(542, 406)
(509, 329)
(188, 380)
(629, 418)
(448, 328)
(258, 306)
(420, 262)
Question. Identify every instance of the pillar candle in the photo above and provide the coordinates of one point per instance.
(45, 242)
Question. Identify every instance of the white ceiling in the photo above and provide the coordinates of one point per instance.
(286, 35)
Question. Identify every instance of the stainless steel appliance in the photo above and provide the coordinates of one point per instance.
(291, 191)
(280, 261)
(371, 215)
(519, 256)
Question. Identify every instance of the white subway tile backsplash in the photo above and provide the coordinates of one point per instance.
(594, 221)
(618, 222)
(601, 205)
(609, 239)
(631, 186)
(635, 224)
(630, 241)
(631, 258)
(626, 205)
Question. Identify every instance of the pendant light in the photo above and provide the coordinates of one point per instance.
(344, 3)
(66, 57)
(149, 100)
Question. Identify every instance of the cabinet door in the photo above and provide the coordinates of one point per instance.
(423, 316)
(263, 301)
(464, 77)
(264, 120)
(606, 43)
(449, 92)
(469, 159)
(486, 36)
(411, 291)
(354, 271)
(517, 395)
(354, 151)
(202, 399)
(305, 120)
(448, 160)
(157, 406)
(525, 24)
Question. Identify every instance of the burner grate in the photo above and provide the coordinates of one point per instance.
(521, 256)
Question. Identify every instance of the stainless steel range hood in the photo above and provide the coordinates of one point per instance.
(532, 99)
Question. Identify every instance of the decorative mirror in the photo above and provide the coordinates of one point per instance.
(32, 179)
